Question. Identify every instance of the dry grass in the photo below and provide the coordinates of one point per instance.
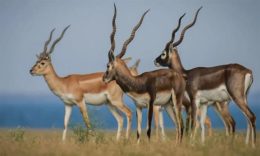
(48, 142)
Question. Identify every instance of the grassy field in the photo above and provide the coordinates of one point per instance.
(48, 142)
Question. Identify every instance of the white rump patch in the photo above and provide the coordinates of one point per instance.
(248, 81)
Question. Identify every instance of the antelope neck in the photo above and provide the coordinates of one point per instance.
(53, 80)
(127, 81)
(176, 63)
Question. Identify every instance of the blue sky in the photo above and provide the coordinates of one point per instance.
(226, 32)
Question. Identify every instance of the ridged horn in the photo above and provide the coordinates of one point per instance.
(112, 36)
(48, 41)
(186, 28)
(57, 40)
(174, 32)
(122, 53)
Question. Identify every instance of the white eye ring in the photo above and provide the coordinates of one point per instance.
(109, 67)
(163, 56)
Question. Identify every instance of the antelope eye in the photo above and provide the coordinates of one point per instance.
(163, 55)
(42, 63)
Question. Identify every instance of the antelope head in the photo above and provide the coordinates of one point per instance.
(116, 62)
(166, 57)
(43, 63)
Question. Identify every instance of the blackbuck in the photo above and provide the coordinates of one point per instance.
(212, 85)
(157, 110)
(80, 90)
(164, 87)
(220, 109)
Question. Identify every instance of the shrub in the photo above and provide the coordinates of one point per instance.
(17, 134)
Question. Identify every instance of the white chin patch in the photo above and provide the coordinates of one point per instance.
(157, 64)
(34, 74)
(106, 80)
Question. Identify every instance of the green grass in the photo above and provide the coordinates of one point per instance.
(80, 142)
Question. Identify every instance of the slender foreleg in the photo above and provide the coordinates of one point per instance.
(123, 108)
(150, 112)
(203, 116)
(156, 120)
(170, 111)
(139, 122)
(67, 115)
(195, 111)
(84, 112)
(161, 123)
(119, 119)
(177, 102)
(188, 119)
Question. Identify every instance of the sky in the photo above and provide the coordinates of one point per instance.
(225, 32)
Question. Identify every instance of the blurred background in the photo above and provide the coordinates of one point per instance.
(225, 32)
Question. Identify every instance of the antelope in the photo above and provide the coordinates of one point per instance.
(81, 89)
(158, 116)
(157, 110)
(212, 85)
(164, 87)
(221, 109)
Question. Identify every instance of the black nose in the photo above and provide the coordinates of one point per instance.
(31, 71)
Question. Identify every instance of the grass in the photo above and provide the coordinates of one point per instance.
(80, 142)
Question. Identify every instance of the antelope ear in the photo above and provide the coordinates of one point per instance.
(111, 56)
(175, 49)
(128, 59)
(171, 48)
(136, 64)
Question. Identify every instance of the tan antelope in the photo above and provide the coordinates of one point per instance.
(80, 90)
(163, 87)
(213, 85)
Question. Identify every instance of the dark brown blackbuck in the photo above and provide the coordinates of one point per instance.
(212, 85)
(164, 87)
(220, 108)
(157, 110)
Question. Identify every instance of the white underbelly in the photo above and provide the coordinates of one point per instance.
(95, 99)
(67, 98)
(142, 100)
(219, 94)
